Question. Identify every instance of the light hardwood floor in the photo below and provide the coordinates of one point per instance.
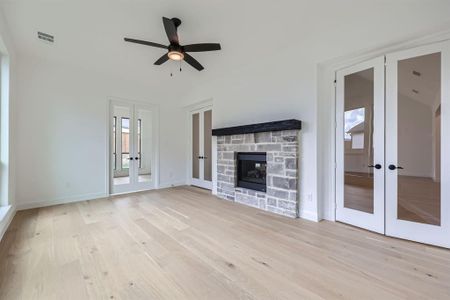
(183, 243)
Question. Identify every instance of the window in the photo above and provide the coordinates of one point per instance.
(354, 127)
(125, 122)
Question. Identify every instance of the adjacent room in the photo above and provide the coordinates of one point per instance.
(224, 150)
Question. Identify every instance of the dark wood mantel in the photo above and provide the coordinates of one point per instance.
(260, 127)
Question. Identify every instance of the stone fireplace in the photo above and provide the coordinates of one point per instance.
(257, 165)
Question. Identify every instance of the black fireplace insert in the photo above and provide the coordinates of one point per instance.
(251, 170)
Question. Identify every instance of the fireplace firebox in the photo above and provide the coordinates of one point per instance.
(251, 170)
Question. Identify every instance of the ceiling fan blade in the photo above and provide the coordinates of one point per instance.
(171, 30)
(162, 59)
(145, 43)
(202, 47)
(193, 62)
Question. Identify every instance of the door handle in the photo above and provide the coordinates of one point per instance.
(204, 157)
(377, 166)
(200, 157)
(393, 167)
(136, 158)
(130, 158)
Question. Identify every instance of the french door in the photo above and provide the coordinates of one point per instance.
(132, 132)
(418, 144)
(360, 145)
(201, 133)
(393, 144)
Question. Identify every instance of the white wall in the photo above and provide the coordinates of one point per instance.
(62, 132)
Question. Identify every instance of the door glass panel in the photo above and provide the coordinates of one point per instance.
(121, 145)
(144, 145)
(358, 141)
(419, 139)
(207, 128)
(195, 145)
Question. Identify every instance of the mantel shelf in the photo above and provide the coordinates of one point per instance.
(260, 127)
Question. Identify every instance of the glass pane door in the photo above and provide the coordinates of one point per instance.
(144, 145)
(132, 147)
(417, 144)
(201, 126)
(207, 145)
(121, 145)
(360, 142)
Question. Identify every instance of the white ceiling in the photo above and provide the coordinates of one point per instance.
(90, 34)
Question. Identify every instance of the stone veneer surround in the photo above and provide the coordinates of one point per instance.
(282, 148)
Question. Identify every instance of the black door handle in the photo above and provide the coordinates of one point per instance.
(377, 166)
(393, 167)
(136, 158)
(130, 158)
(200, 157)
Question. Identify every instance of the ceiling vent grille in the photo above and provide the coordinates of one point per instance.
(46, 37)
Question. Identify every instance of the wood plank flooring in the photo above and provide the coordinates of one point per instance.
(183, 243)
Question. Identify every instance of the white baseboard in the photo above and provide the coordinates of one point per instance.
(7, 214)
(165, 185)
(309, 215)
(57, 201)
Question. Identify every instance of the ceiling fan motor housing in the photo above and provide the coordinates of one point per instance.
(176, 21)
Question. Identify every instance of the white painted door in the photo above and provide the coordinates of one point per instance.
(133, 155)
(201, 134)
(360, 145)
(418, 144)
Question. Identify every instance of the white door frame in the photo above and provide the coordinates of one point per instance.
(375, 221)
(425, 233)
(154, 108)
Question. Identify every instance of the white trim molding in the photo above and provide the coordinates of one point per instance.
(7, 214)
(65, 200)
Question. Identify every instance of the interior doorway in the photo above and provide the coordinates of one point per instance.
(133, 152)
(392, 142)
(201, 150)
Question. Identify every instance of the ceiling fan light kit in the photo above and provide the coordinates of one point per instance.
(175, 55)
(175, 51)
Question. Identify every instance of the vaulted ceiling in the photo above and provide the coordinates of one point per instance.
(89, 34)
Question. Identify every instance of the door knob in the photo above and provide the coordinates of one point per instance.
(377, 166)
(136, 158)
(393, 167)
(130, 158)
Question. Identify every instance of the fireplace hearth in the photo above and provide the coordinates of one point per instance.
(251, 170)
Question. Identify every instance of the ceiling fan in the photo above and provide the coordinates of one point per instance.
(175, 51)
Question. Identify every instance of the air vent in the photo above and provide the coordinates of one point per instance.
(416, 73)
(46, 37)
